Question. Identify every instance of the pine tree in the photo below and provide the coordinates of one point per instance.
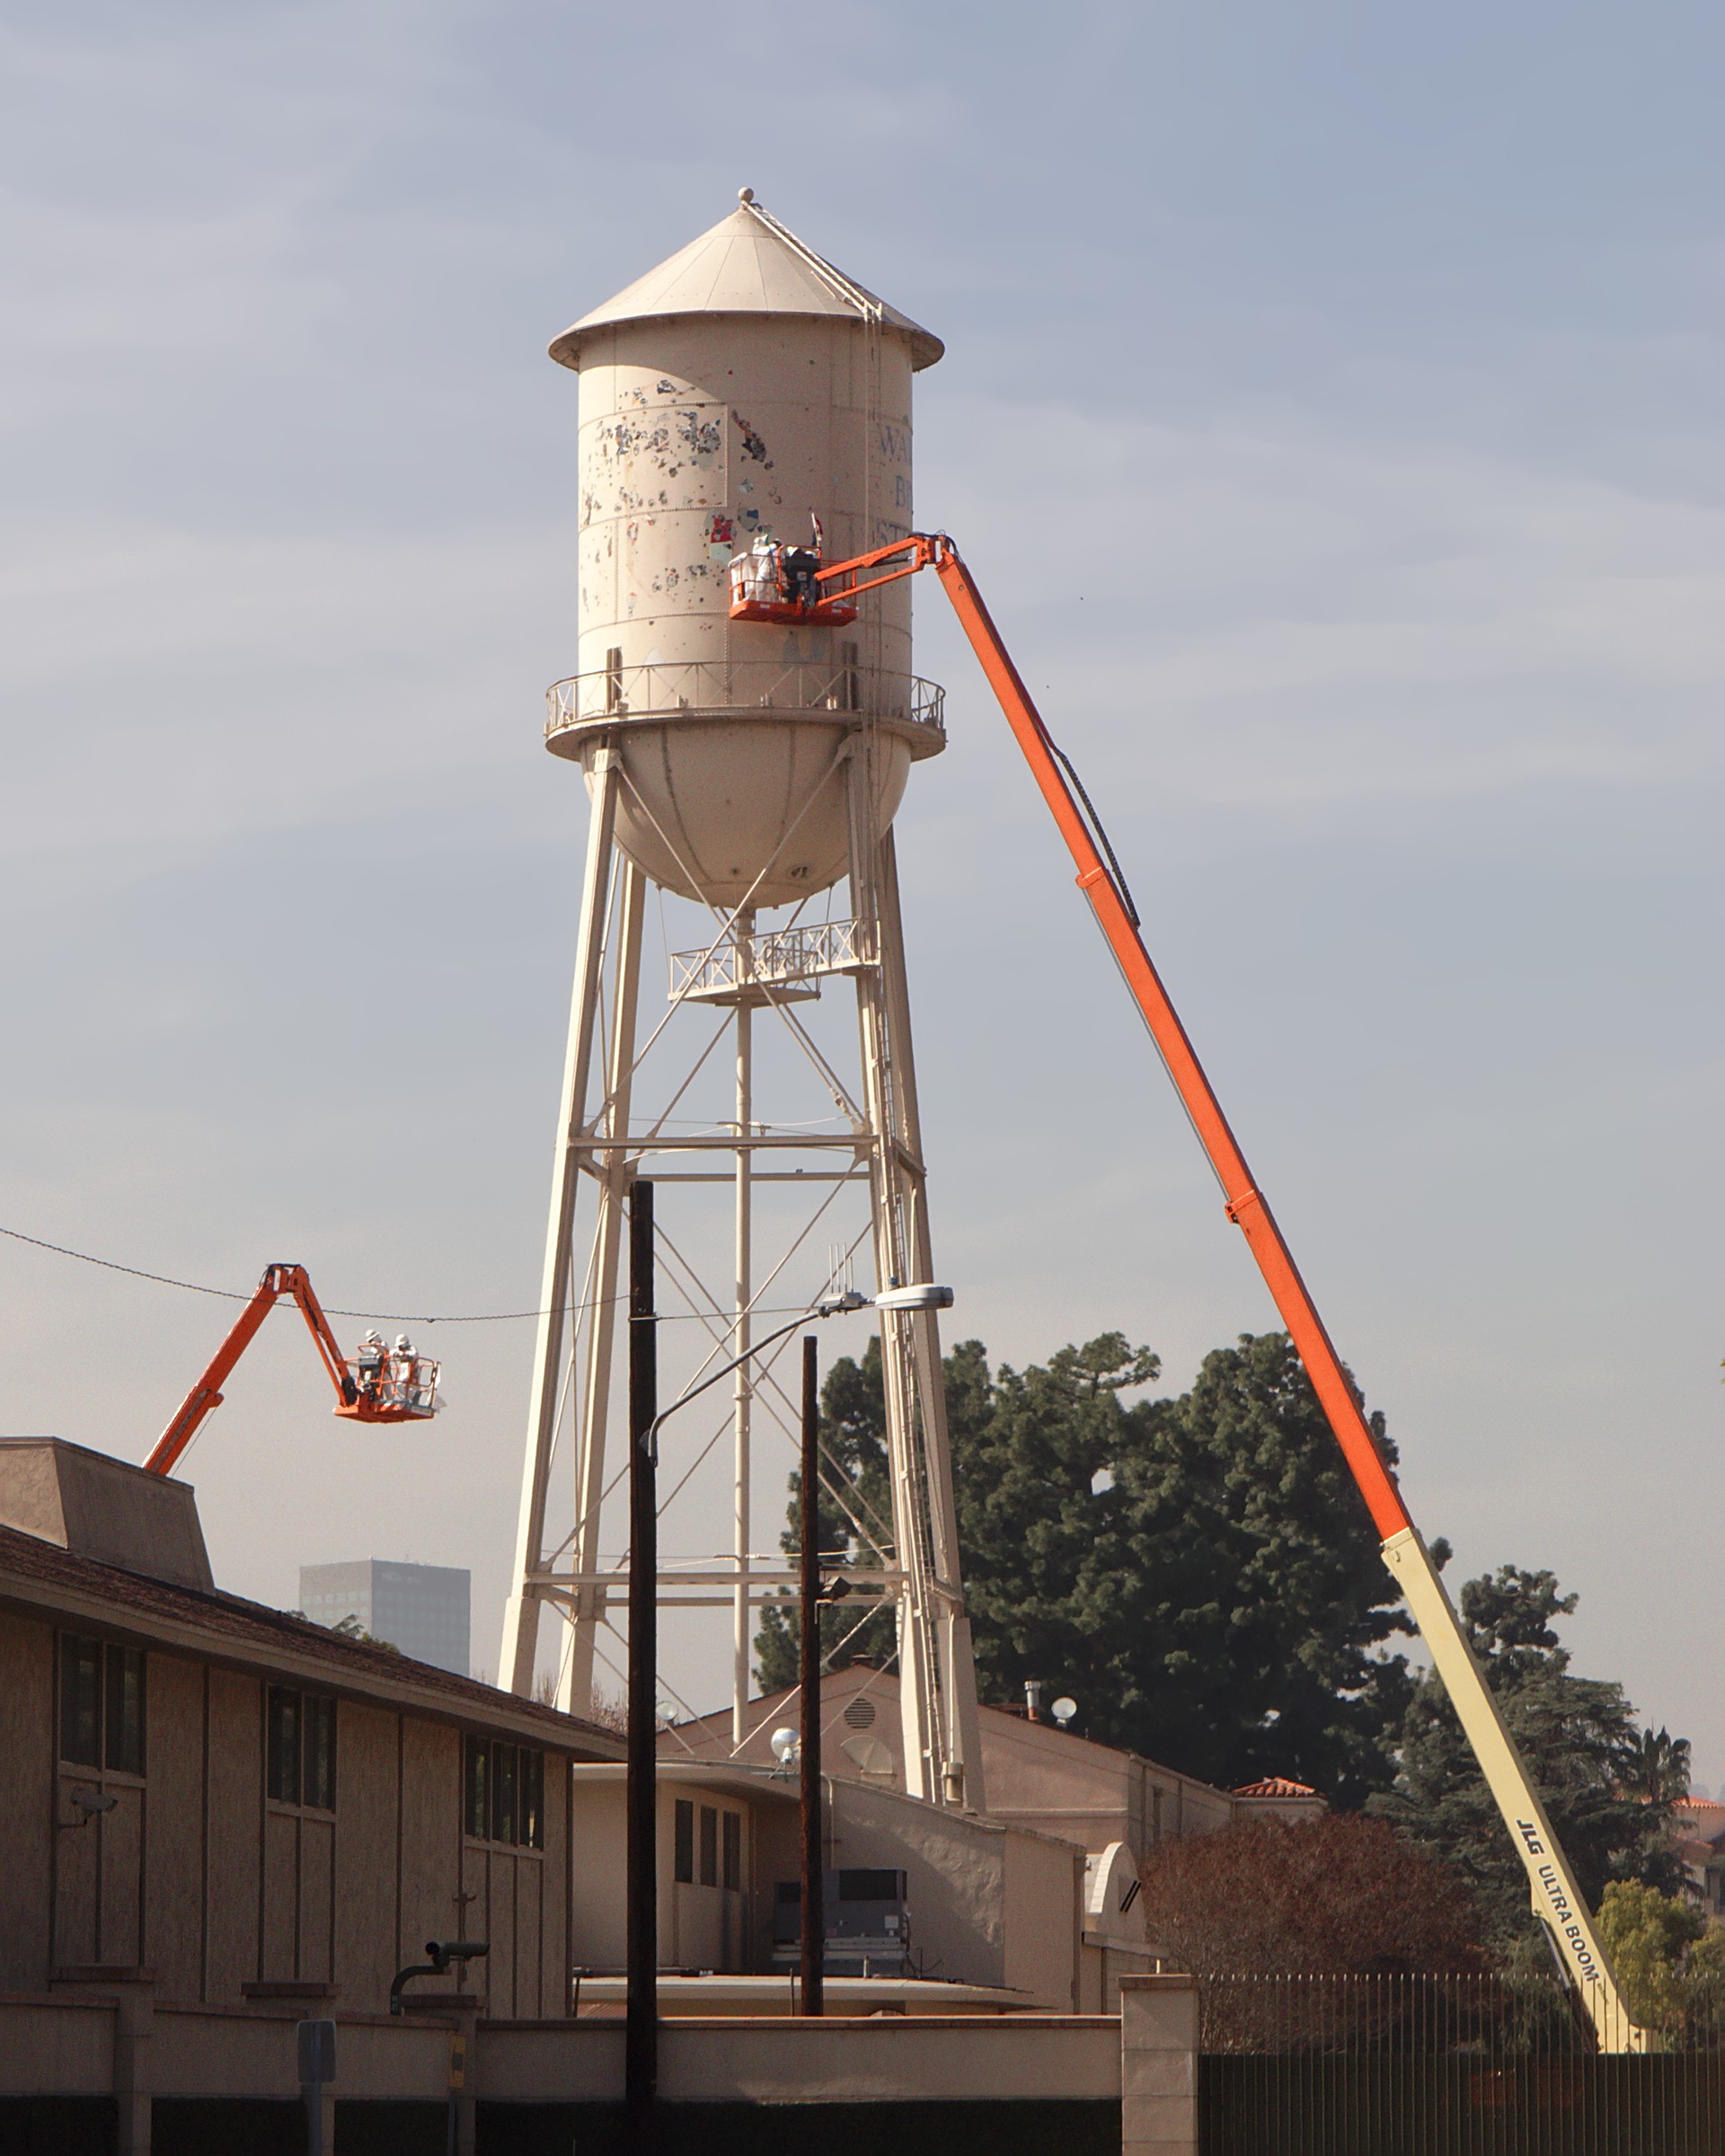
(1199, 1573)
(1578, 1737)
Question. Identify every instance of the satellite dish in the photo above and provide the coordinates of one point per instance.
(786, 1744)
(870, 1756)
(1062, 1710)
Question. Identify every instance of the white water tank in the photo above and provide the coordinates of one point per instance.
(741, 389)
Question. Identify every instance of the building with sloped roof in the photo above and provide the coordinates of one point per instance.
(243, 1804)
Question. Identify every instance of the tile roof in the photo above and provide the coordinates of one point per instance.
(1275, 1785)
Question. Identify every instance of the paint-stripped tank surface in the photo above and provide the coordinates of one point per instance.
(743, 389)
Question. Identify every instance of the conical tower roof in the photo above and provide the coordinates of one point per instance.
(748, 263)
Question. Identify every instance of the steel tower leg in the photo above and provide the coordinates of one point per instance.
(936, 1682)
(961, 1733)
(743, 1294)
(612, 1173)
(521, 1614)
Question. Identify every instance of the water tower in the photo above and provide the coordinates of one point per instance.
(743, 391)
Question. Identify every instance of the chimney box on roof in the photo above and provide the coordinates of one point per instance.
(103, 1508)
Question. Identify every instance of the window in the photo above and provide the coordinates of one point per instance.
(80, 1701)
(299, 1765)
(531, 1801)
(683, 1854)
(281, 1771)
(101, 1705)
(503, 1793)
(733, 1873)
(124, 1673)
(479, 1788)
(708, 1846)
(317, 1751)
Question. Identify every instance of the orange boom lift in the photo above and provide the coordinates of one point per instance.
(1557, 1900)
(376, 1386)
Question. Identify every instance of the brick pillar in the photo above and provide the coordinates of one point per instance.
(1159, 2065)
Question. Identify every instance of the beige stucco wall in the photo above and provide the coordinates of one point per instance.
(699, 1927)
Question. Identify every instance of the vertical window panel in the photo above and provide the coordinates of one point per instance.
(733, 1871)
(282, 1777)
(533, 1800)
(708, 1846)
(503, 1792)
(318, 1746)
(80, 1701)
(683, 1851)
(479, 1788)
(124, 1746)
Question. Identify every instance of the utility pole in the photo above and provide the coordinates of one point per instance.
(814, 1899)
(640, 2037)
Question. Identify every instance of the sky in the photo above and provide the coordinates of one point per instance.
(1332, 411)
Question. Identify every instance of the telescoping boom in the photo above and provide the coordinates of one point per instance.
(1557, 1900)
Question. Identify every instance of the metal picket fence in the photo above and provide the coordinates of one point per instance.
(1460, 2065)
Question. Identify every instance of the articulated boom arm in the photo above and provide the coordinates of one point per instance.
(1556, 1899)
(386, 1391)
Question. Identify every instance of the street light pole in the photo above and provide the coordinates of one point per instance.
(814, 1898)
(640, 2035)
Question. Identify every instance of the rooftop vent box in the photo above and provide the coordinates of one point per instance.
(103, 1508)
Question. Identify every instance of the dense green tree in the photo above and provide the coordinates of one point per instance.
(1668, 1959)
(1578, 1737)
(1197, 1572)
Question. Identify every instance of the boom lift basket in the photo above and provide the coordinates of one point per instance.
(391, 1385)
(772, 582)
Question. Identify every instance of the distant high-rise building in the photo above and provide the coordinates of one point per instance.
(421, 1608)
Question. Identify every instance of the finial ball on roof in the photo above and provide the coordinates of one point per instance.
(744, 194)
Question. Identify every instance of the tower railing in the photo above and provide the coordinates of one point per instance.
(742, 687)
(778, 957)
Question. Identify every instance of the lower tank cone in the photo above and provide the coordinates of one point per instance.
(751, 810)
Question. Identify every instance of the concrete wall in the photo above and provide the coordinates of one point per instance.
(988, 1904)
(67, 2046)
(1043, 1892)
(104, 1509)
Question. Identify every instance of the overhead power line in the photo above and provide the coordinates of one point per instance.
(380, 1317)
